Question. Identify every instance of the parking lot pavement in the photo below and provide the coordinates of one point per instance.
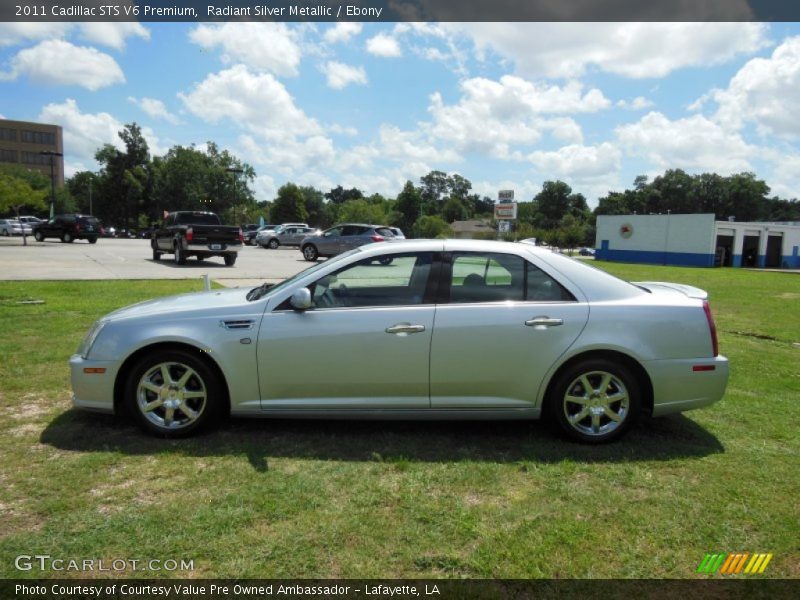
(132, 259)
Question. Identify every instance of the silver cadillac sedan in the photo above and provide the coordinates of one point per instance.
(417, 329)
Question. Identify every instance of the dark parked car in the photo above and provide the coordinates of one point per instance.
(196, 233)
(69, 228)
(343, 237)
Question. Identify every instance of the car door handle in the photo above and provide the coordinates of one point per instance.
(405, 328)
(544, 322)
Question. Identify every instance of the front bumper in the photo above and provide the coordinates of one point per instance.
(677, 386)
(93, 391)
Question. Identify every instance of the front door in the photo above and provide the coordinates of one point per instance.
(364, 344)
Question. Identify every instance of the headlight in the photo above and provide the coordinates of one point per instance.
(88, 341)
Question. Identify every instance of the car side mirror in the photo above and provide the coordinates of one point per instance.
(301, 299)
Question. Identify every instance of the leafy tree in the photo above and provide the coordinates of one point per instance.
(408, 205)
(289, 206)
(453, 210)
(339, 195)
(314, 201)
(361, 211)
(17, 193)
(429, 226)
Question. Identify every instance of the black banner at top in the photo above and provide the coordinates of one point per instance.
(399, 10)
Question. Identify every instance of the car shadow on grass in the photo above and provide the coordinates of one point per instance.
(259, 440)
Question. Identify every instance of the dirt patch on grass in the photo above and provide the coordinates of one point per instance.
(32, 406)
(789, 296)
(25, 430)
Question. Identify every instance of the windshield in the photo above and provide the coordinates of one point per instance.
(264, 288)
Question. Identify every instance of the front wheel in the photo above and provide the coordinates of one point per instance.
(273, 244)
(67, 238)
(595, 401)
(156, 254)
(173, 393)
(92, 240)
(310, 253)
(230, 260)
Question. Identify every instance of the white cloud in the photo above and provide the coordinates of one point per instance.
(638, 103)
(113, 35)
(155, 109)
(578, 162)
(412, 147)
(342, 32)
(56, 62)
(629, 49)
(384, 45)
(764, 92)
(257, 102)
(694, 144)
(494, 117)
(343, 130)
(340, 75)
(84, 133)
(12, 34)
(266, 47)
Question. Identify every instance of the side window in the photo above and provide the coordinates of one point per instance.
(336, 231)
(543, 288)
(351, 230)
(392, 280)
(487, 278)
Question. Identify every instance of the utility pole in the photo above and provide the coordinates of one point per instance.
(235, 171)
(52, 156)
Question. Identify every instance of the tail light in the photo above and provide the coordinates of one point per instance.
(189, 234)
(78, 227)
(241, 235)
(377, 238)
(711, 327)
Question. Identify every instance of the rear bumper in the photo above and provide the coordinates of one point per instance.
(677, 386)
(207, 248)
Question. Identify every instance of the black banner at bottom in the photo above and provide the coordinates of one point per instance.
(355, 589)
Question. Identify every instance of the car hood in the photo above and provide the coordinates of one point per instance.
(183, 303)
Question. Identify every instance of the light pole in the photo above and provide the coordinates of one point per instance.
(52, 156)
(235, 171)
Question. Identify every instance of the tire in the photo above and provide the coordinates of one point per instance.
(583, 414)
(5, 232)
(230, 260)
(67, 238)
(38, 236)
(386, 260)
(310, 252)
(273, 243)
(180, 257)
(92, 240)
(156, 254)
(162, 407)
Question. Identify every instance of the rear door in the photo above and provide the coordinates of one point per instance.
(500, 325)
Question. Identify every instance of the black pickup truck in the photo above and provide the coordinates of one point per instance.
(196, 233)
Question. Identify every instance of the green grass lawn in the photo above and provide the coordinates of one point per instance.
(374, 499)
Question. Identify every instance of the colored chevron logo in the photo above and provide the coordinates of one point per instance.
(733, 564)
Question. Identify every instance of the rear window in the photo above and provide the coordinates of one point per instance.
(89, 221)
(384, 231)
(196, 219)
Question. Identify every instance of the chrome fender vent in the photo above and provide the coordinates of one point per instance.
(237, 324)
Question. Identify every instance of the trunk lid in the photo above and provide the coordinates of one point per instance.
(661, 286)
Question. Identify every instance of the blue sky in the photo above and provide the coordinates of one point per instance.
(507, 105)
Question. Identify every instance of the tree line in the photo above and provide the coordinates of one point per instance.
(133, 189)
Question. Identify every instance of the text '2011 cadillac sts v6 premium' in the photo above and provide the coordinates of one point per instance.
(417, 329)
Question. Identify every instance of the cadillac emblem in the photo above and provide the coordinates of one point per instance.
(626, 230)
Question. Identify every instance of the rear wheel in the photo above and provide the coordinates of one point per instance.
(595, 401)
(92, 240)
(310, 252)
(5, 232)
(173, 393)
(38, 236)
(67, 237)
(180, 256)
(230, 260)
(156, 254)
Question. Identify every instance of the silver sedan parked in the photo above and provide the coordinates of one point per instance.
(342, 238)
(292, 235)
(419, 329)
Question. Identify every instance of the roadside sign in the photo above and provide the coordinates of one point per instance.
(504, 226)
(506, 211)
(505, 196)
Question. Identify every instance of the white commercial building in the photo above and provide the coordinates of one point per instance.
(697, 240)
